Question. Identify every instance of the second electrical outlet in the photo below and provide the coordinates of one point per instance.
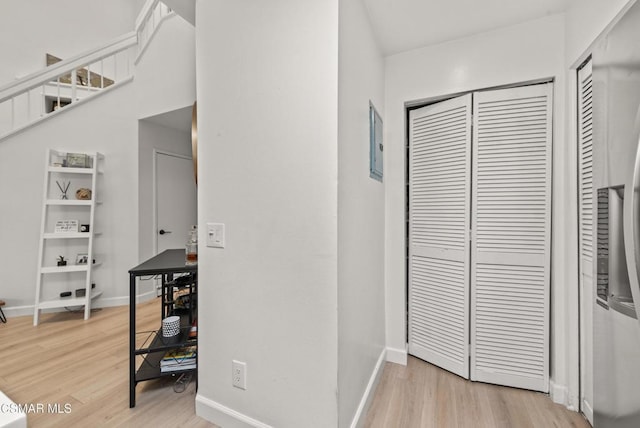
(239, 374)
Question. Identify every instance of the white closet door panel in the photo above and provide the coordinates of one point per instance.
(511, 237)
(585, 148)
(586, 234)
(439, 203)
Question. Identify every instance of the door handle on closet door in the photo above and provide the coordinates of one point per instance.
(162, 231)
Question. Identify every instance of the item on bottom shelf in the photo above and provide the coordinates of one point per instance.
(171, 326)
(193, 331)
(179, 367)
(179, 359)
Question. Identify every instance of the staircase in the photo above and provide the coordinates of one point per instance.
(73, 81)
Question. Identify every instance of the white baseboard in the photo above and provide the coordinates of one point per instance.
(18, 311)
(109, 302)
(587, 410)
(398, 356)
(365, 402)
(223, 416)
(559, 394)
(145, 297)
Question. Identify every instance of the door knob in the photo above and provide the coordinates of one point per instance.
(162, 231)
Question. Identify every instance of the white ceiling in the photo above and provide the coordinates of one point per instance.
(180, 119)
(402, 25)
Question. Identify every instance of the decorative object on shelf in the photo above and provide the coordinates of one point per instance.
(81, 292)
(61, 261)
(64, 187)
(171, 326)
(82, 259)
(85, 228)
(78, 160)
(83, 194)
(57, 159)
(66, 226)
(191, 249)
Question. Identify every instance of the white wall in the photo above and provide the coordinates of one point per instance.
(152, 136)
(64, 28)
(361, 339)
(267, 79)
(165, 75)
(108, 125)
(520, 53)
(164, 82)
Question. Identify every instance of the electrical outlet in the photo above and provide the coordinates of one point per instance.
(239, 374)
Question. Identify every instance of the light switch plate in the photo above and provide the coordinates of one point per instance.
(215, 235)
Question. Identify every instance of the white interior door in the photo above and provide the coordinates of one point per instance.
(176, 200)
(510, 255)
(585, 196)
(439, 203)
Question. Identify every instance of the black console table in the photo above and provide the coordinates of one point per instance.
(176, 277)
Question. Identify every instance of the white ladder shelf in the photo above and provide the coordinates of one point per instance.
(53, 279)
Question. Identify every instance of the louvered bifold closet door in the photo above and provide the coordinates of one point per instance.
(586, 233)
(439, 203)
(511, 237)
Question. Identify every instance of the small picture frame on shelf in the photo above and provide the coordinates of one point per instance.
(66, 226)
(82, 258)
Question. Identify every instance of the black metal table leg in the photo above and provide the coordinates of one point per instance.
(132, 340)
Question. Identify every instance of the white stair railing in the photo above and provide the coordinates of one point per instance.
(45, 93)
(42, 94)
(149, 19)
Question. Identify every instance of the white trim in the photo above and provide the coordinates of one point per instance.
(68, 107)
(154, 202)
(397, 356)
(559, 394)
(141, 298)
(110, 302)
(153, 34)
(146, 10)
(224, 416)
(52, 72)
(360, 415)
(587, 411)
(18, 311)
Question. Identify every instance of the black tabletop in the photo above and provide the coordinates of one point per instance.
(166, 262)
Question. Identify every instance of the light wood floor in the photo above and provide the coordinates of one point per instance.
(425, 396)
(86, 364)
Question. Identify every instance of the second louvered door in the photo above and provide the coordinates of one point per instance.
(585, 199)
(439, 203)
(510, 251)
